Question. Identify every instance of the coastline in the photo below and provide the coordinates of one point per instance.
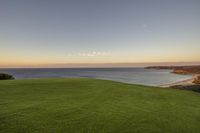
(192, 83)
(187, 84)
(183, 82)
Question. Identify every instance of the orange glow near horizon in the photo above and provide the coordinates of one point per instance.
(93, 61)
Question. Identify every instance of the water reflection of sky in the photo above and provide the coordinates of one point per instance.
(126, 75)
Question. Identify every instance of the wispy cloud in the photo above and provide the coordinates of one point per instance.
(90, 54)
(93, 53)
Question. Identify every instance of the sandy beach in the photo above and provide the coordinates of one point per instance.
(187, 82)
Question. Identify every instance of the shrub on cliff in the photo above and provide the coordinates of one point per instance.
(197, 80)
(4, 76)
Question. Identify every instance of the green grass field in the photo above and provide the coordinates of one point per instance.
(95, 106)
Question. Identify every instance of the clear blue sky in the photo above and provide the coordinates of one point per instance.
(36, 32)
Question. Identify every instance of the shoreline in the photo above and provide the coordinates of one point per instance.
(187, 82)
(192, 83)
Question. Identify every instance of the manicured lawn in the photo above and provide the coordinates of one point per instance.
(95, 106)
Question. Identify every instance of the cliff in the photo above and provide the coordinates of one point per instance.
(179, 69)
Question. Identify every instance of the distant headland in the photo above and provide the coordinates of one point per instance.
(190, 84)
(179, 69)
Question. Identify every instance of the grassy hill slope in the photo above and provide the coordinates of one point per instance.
(95, 106)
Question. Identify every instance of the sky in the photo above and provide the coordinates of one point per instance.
(36, 33)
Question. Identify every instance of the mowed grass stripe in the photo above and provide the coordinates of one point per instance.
(95, 106)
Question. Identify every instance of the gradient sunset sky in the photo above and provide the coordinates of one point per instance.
(52, 32)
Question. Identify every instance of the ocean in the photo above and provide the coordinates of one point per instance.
(127, 75)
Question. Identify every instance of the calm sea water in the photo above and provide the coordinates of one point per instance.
(127, 75)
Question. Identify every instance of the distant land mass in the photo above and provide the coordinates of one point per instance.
(179, 69)
(190, 84)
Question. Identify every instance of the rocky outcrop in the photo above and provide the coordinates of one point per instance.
(179, 69)
(197, 80)
(4, 76)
